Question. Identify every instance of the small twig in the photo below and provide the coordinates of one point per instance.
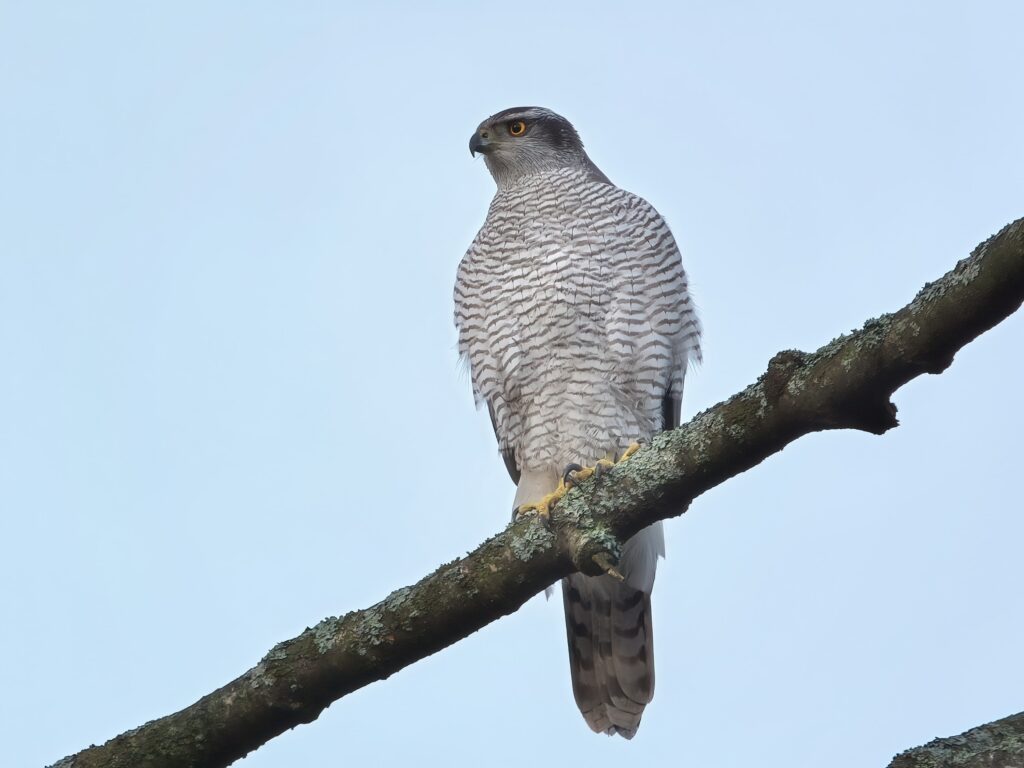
(605, 562)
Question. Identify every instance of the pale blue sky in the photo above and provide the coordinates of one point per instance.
(230, 402)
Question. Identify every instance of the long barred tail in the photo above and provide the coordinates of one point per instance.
(608, 622)
(611, 641)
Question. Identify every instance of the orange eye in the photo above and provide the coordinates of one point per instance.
(518, 128)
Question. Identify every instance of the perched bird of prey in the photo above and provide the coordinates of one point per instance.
(573, 313)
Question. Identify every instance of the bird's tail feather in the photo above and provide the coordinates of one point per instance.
(608, 623)
(611, 640)
(611, 653)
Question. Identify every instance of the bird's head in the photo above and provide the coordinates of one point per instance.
(522, 141)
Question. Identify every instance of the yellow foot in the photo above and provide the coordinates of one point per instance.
(572, 476)
(633, 448)
(602, 465)
(545, 505)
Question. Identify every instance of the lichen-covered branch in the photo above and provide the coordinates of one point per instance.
(845, 384)
(995, 745)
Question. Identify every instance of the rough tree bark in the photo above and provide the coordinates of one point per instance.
(995, 745)
(844, 385)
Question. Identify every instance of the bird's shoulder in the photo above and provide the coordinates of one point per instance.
(556, 211)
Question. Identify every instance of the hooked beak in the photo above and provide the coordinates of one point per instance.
(478, 143)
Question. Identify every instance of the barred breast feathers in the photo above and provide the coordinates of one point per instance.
(572, 297)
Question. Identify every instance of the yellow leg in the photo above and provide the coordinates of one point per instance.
(544, 506)
(633, 448)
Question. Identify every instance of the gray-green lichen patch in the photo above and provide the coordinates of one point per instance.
(908, 327)
(798, 381)
(844, 350)
(463, 579)
(990, 744)
(736, 432)
(326, 634)
(963, 273)
(530, 540)
(278, 653)
(697, 437)
(370, 628)
(396, 599)
(600, 539)
(401, 602)
(259, 677)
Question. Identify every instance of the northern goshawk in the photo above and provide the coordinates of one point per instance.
(573, 313)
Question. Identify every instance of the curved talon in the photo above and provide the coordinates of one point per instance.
(581, 474)
(573, 475)
(540, 508)
(569, 475)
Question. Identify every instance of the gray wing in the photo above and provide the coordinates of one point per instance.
(507, 454)
(473, 295)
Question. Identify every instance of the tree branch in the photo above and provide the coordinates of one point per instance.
(844, 385)
(995, 745)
